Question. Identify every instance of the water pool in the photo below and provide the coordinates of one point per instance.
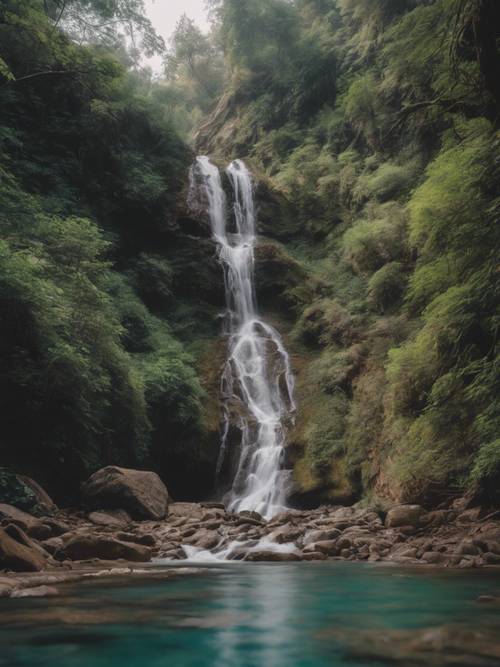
(249, 615)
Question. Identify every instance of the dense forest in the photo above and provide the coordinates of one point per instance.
(371, 128)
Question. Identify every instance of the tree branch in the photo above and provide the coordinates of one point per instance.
(48, 73)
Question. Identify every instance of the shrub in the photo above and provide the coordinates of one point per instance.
(370, 243)
(386, 286)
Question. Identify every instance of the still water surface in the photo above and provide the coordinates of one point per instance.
(239, 615)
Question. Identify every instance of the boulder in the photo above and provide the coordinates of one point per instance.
(328, 547)
(18, 557)
(404, 515)
(140, 493)
(29, 523)
(83, 547)
(24, 493)
(321, 535)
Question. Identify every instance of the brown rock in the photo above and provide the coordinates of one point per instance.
(433, 557)
(83, 547)
(53, 545)
(27, 522)
(204, 539)
(314, 555)
(57, 527)
(321, 535)
(18, 557)
(469, 516)
(179, 513)
(142, 494)
(111, 518)
(273, 556)
(146, 540)
(404, 515)
(35, 592)
(20, 536)
(328, 547)
(491, 558)
(467, 548)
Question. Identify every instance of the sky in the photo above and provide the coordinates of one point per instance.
(164, 15)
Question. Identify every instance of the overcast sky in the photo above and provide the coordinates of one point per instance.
(164, 15)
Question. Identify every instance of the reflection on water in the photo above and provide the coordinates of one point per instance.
(253, 615)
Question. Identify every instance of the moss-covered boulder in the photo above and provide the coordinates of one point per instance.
(23, 492)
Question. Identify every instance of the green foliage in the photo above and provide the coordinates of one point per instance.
(381, 238)
(90, 169)
(486, 469)
(386, 286)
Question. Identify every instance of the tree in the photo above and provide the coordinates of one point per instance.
(192, 56)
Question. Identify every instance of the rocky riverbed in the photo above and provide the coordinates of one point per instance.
(128, 520)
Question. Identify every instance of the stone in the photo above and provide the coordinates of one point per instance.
(328, 547)
(185, 511)
(407, 552)
(20, 536)
(147, 540)
(84, 547)
(251, 515)
(314, 555)
(35, 592)
(111, 518)
(491, 558)
(432, 557)
(404, 515)
(18, 557)
(438, 517)
(273, 556)
(57, 527)
(321, 535)
(286, 533)
(204, 539)
(32, 525)
(469, 516)
(140, 493)
(467, 548)
(53, 545)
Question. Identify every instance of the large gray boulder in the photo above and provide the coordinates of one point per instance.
(140, 493)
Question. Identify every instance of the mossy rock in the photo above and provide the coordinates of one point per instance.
(16, 491)
(312, 490)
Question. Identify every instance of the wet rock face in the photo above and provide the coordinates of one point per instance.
(140, 493)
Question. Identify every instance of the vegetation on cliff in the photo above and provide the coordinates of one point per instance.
(372, 126)
(378, 121)
(93, 369)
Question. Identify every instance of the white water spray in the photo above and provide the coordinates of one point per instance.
(257, 380)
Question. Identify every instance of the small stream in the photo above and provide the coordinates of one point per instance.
(328, 614)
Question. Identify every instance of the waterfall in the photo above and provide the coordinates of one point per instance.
(257, 381)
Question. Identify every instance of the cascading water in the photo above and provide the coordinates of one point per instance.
(257, 381)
